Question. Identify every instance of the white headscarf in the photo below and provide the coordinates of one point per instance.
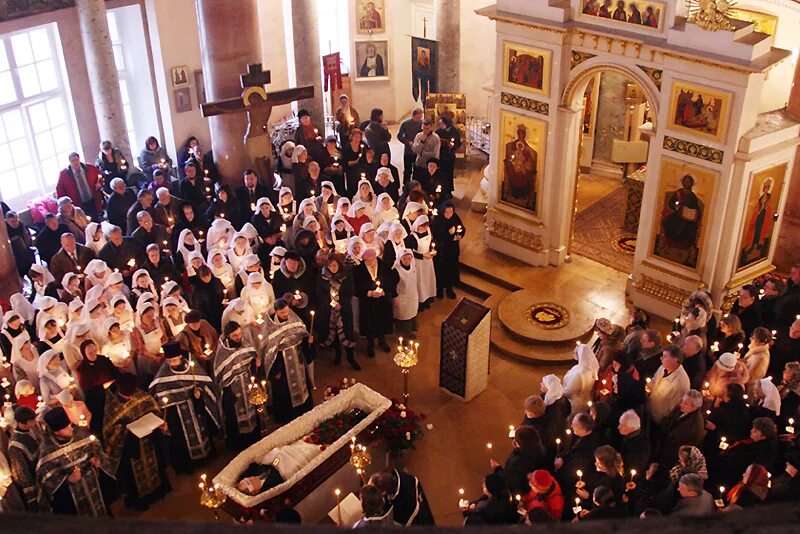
(127, 318)
(384, 171)
(419, 221)
(30, 368)
(168, 288)
(150, 286)
(357, 205)
(91, 229)
(381, 215)
(397, 265)
(47, 277)
(286, 158)
(220, 234)
(340, 206)
(772, 399)
(95, 267)
(411, 207)
(60, 376)
(66, 279)
(22, 307)
(224, 273)
(238, 311)
(292, 204)
(250, 232)
(182, 244)
(195, 254)
(299, 149)
(260, 299)
(554, 389)
(351, 243)
(264, 200)
(235, 259)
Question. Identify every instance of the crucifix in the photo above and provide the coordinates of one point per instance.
(257, 103)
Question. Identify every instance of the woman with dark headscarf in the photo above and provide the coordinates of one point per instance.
(450, 143)
(189, 217)
(730, 419)
(225, 206)
(448, 231)
(153, 157)
(752, 490)
(627, 388)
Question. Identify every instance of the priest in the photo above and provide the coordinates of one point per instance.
(69, 468)
(286, 353)
(23, 453)
(404, 498)
(139, 463)
(186, 394)
(235, 367)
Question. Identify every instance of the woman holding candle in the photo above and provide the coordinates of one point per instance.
(450, 144)
(790, 394)
(545, 495)
(448, 231)
(351, 157)
(327, 201)
(757, 357)
(766, 400)
(53, 375)
(153, 157)
(24, 360)
(727, 369)
(334, 317)
(224, 206)
(420, 240)
(386, 180)
(752, 490)
(580, 379)
(306, 209)
(374, 287)
(147, 338)
(731, 418)
(609, 472)
(728, 336)
(494, 507)
(762, 447)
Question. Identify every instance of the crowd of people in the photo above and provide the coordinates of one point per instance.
(160, 290)
(644, 425)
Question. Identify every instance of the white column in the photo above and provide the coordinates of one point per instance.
(448, 33)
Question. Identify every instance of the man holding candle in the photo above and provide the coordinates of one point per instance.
(579, 456)
(189, 402)
(23, 454)
(528, 455)
(119, 251)
(374, 287)
(669, 384)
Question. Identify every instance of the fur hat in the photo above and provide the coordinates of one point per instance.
(726, 361)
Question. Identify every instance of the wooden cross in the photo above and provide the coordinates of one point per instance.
(258, 104)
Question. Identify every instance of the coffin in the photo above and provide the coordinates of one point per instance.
(328, 470)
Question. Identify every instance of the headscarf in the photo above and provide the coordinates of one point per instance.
(237, 311)
(385, 228)
(22, 307)
(250, 232)
(113, 278)
(182, 249)
(411, 207)
(696, 463)
(380, 215)
(224, 273)
(351, 243)
(264, 200)
(145, 298)
(95, 267)
(150, 286)
(260, 299)
(299, 149)
(220, 234)
(96, 245)
(66, 279)
(340, 206)
(75, 307)
(60, 376)
(235, 259)
(757, 482)
(772, 398)
(195, 254)
(404, 252)
(126, 321)
(286, 158)
(292, 202)
(47, 277)
(30, 368)
(42, 319)
(555, 390)
(384, 171)
(419, 221)
(358, 205)
(330, 186)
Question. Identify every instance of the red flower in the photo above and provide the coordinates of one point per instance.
(323, 447)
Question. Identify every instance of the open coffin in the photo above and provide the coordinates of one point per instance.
(318, 472)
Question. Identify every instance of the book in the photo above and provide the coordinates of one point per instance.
(350, 509)
(145, 425)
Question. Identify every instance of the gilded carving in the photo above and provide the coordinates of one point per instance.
(695, 150)
(528, 104)
(514, 235)
(661, 290)
(578, 58)
(654, 74)
(711, 15)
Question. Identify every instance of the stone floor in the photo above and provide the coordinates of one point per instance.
(453, 454)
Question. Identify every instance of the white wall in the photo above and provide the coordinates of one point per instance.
(175, 41)
(478, 45)
(273, 50)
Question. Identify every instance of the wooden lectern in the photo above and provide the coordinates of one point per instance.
(464, 358)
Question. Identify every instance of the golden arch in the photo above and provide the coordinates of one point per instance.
(579, 79)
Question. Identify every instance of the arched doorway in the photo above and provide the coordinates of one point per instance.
(617, 111)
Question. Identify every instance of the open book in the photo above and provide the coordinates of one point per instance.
(145, 425)
(350, 509)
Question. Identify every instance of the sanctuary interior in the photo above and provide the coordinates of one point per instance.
(619, 170)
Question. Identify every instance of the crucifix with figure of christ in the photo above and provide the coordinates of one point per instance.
(257, 103)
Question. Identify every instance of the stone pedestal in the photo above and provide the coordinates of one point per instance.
(9, 277)
(307, 61)
(229, 40)
(448, 33)
(103, 74)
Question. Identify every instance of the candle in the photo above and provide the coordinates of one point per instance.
(577, 508)
(580, 482)
(311, 328)
(131, 263)
(721, 501)
(489, 447)
(558, 445)
(723, 443)
(297, 295)
(462, 502)
(631, 485)
(338, 492)
(790, 426)
(511, 431)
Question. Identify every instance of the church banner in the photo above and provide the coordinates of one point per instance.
(424, 66)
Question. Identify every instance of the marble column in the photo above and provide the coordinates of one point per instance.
(10, 282)
(448, 33)
(102, 70)
(307, 59)
(229, 40)
(787, 252)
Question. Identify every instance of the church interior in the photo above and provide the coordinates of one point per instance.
(556, 242)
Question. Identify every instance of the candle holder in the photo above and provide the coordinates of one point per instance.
(257, 393)
(406, 358)
(360, 458)
(211, 496)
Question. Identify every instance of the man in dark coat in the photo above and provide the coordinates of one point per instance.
(579, 456)
(159, 267)
(694, 361)
(404, 496)
(119, 251)
(48, 241)
(119, 203)
(249, 193)
(746, 309)
(208, 295)
(70, 258)
(494, 507)
(149, 232)
(527, 456)
(683, 426)
(144, 201)
(192, 187)
(649, 359)
(633, 444)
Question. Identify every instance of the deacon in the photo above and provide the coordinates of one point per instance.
(138, 462)
(68, 472)
(235, 364)
(287, 350)
(405, 499)
(186, 394)
(23, 453)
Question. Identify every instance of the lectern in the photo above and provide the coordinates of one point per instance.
(464, 357)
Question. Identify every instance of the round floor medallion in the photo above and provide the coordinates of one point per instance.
(624, 243)
(548, 315)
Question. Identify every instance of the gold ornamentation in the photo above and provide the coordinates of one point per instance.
(694, 281)
(528, 104)
(547, 315)
(654, 74)
(579, 57)
(695, 150)
(637, 48)
(728, 300)
(711, 15)
(609, 44)
(514, 215)
(739, 281)
(661, 290)
(514, 235)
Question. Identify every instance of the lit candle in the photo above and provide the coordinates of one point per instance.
(558, 445)
(338, 492)
(297, 295)
(580, 482)
(631, 485)
(723, 443)
(511, 431)
(462, 502)
(311, 328)
(790, 426)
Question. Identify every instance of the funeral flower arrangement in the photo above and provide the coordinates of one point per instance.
(332, 429)
(400, 427)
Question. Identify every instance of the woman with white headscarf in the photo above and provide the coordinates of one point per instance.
(240, 249)
(410, 214)
(250, 232)
(23, 307)
(395, 243)
(70, 288)
(557, 406)
(122, 311)
(96, 273)
(369, 236)
(285, 164)
(287, 205)
(115, 286)
(24, 361)
(420, 240)
(340, 235)
(95, 237)
(94, 314)
(366, 195)
(221, 269)
(187, 243)
(50, 334)
(147, 338)
(342, 207)
(220, 234)
(258, 293)
(579, 381)
(266, 219)
(142, 283)
(13, 327)
(117, 346)
(51, 308)
(53, 375)
(173, 316)
(77, 333)
(327, 200)
(147, 298)
(355, 248)
(41, 278)
(406, 305)
(768, 400)
(385, 210)
(196, 261)
(237, 310)
(172, 289)
(358, 216)
(306, 209)
(75, 309)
